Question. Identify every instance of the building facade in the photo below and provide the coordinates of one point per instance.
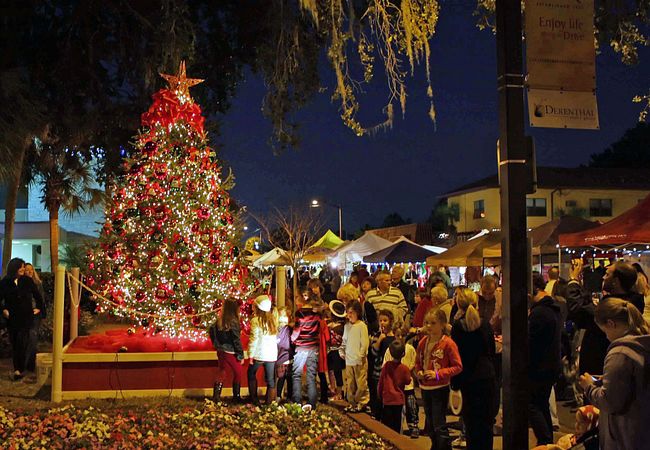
(31, 240)
(591, 193)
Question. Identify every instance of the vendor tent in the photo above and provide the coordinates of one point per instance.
(275, 257)
(434, 248)
(631, 227)
(367, 244)
(545, 237)
(400, 252)
(468, 253)
(328, 240)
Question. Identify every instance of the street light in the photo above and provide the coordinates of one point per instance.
(316, 204)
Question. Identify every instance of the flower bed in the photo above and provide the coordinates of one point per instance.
(187, 426)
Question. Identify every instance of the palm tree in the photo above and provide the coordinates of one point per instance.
(74, 256)
(18, 125)
(67, 182)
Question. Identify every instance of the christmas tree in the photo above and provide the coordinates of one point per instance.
(165, 255)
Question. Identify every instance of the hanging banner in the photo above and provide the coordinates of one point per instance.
(560, 49)
(562, 109)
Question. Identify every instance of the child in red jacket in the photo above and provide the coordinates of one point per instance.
(437, 360)
(390, 389)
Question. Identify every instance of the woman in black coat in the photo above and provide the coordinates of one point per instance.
(17, 292)
(477, 381)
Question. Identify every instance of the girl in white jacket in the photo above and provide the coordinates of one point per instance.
(263, 348)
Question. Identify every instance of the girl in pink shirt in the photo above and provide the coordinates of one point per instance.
(437, 360)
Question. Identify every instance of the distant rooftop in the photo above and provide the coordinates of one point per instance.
(572, 178)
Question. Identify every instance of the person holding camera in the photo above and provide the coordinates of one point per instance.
(619, 281)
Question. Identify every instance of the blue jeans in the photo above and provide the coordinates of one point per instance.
(309, 357)
(269, 373)
(435, 410)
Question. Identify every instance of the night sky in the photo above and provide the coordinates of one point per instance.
(404, 169)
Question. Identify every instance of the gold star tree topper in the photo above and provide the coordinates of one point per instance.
(180, 84)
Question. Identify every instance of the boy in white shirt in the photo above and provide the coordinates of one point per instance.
(354, 350)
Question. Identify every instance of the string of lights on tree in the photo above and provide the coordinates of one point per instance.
(166, 256)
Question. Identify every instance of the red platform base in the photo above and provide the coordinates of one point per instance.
(185, 368)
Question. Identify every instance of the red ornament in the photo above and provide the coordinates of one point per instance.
(185, 267)
(203, 213)
(215, 257)
(161, 213)
(139, 296)
(188, 309)
(162, 292)
(160, 171)
(196, 321)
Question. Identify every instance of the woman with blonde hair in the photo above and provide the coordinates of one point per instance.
(263, 347)
(623, 393)
(440, 301)
(36, 324)
(477, 381)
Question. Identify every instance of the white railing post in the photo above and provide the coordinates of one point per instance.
(57, 344)
(75, 294)
(280, 286)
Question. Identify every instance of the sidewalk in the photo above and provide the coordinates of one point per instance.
(404, 442)
(22, 391)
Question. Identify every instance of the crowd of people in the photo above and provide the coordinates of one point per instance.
(378, 342)
(381, 340)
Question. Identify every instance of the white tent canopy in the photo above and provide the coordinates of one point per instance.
(367, 244)
(433, 248)
(275, 257)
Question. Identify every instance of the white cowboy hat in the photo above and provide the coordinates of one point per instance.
(337, 308)
(263, 302)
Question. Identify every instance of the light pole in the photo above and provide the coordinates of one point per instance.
(316, 204)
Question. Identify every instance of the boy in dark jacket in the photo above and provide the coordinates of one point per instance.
(544, 332)
(390, 388)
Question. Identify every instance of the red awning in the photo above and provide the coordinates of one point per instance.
(631, 227)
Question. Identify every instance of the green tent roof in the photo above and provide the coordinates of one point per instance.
(328, 240)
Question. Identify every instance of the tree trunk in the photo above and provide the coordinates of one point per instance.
(10, 210)
(295, 289)
(54, 237)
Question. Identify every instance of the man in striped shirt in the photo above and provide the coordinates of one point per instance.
(388, 297)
